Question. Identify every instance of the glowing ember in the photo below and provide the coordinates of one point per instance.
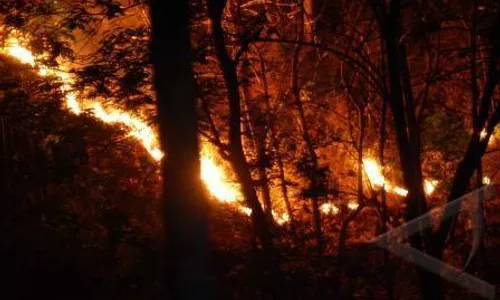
(430, 186)
(352, 205)
(281, 219)
(245, 210)
(329, 209)
(400, 191)
(483, 134)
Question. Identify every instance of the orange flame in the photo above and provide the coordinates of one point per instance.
(217, 181)
(376, 178)
(352, 205)
(329, 209)
(213, 175)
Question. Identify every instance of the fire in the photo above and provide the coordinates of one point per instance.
(430, 186)
(217, 181)
(377, 179)
(281, 219)
(374, 172)
(483, 134)
(352, 205)
(213, 175)
(22, 54)
(329, 209)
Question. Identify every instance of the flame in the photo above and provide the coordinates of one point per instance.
(352, 205)
(213, 175)
(281, 219)
(483, 134)
(329, 209)
(430, 186)
(135, 126)
(22, 54)
(216, 180)
(376, 178)
(374, 172)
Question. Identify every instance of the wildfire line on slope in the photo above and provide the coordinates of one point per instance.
(214, 176)
(377, 179)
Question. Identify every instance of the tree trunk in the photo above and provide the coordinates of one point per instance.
(407, 133)
(258, 137)
(237, 157)
(389, 285)
(185, 208)
(275, 145)
(310, 149)
(284, 190)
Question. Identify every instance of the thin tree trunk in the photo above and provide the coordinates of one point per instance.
(309, 146)
(389, 285)
(185, 207)
(257, 135)
(475, 98)
(237, 157)
(275, 144)
(406, 131)
(284, 190)
(351, 216)
(477, 146)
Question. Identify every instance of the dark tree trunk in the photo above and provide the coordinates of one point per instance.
(238, 161)
(406, 127)
(304, 131)
(237, 157)
(185, 208)
(407, 133)
(275, 144)
(258, 136)
(389, 274)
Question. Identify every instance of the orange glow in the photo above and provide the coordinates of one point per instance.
(216, 179)
(352, 205)
(329, 209)
(21, 54)
(430, 186)
(374, 172)
(136, 127)
(377, 179)
(483, 134)
(281, 219)
(213, 175)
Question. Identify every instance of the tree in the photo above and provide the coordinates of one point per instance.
(236, 152)
(184, 197)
